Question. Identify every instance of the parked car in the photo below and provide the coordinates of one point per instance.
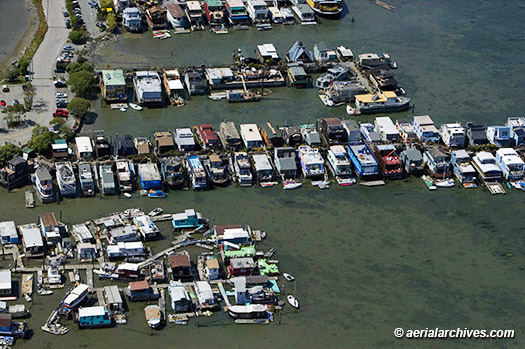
(60, 83)
(16, 101)
(61, 103)
(62, 113)
(68, 24)
(65, 13)
(61, 95)
(5, 88)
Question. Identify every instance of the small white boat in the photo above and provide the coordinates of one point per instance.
(155, 212)
(293, 301)
(217, 96)
(324, 185)
(429, 182)
(444, 183)
(291, 185)
(123, 109)
(27, 298)
(345, 181)
(44, 292)
(268, 184)
(326, 100)
(351, 110)
(128, 195)
(135, 106)
(288, 277)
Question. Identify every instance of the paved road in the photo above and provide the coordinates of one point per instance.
(42, 66)
(89, 15)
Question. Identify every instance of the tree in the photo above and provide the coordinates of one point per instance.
(76, 37)
(42, 139)
(106, 4)
(7, 152)
(12, 74)
(29, 93)
(14, 115)
(78, 106)
(112, 21)
(76, 67)
(82, 83)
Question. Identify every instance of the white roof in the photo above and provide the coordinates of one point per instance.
(261, 162)
(86, 245)
(184, 136)
(275, 12)
(31, 235)
(128, 266)
(184, 215)
(509, 156)
(268, 50)
(8, 228)
(131, 245)
(385, 124)
(247, 308)
(5, 279)
(250, 133)
(203, 290)
(113, 294)
(193, 5)
(82, 232)
(59, 146)
(423, 120)
(175, 85)
(346, 52)
(84, 144)
(178, 292)
(91, 311)
(235, 233)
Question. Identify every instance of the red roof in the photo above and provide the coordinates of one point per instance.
(207, 133)
(179, 260)
(138, 285)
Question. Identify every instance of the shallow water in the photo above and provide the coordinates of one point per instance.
(14, 20)
(366, 260)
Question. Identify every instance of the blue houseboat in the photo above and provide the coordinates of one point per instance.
(365, 164)
(92, 317)
(189, 219)
(196, 173)
(150, 176)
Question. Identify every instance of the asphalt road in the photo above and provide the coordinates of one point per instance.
(42, 67)
(90, 18)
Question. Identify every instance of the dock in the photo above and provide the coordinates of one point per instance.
(30, 199)
(100, 297)
(223, 293)
(495, 188)
(27, 284)
(371, 183)
(162, 304)
(89, 277)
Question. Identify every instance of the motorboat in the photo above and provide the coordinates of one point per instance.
(153, 315)
(290, 185)
(157, 194)
(44, 184)
(293, 301)
(444, 183)
(155, 212)
(340, 166)
(66, 179)
(429, 182)
(243, 169)
(288, 277)
(312, 163)
(135, 106)
(76, 296)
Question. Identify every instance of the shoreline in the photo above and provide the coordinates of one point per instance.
(25, 41)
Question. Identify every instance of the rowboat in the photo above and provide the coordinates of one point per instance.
(293, 301)
(135, 106)
(288, 277)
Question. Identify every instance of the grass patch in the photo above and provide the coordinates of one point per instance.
(23, 63)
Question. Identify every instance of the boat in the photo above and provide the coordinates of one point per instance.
(18, 311)
(340, 166)
(197, 174)
(326, 8)
(85, 176)
(156, 18)
(123, 109)
(236, 96)
(321, 184)
(412, 162)
(263, 26)
(176, 16)
(351, 110)
(511, 164)
(135, 106)
(388, 160)
(429, 182)
(305, 14)
(66, 179)
(288, 17)
(155, 212)
(153, 316)
(293, 301)
(30, 199)
(364, 162)
(381, 102)
(326, 100)
(44, 184)
(217, 170)
(7, 340)
(444, 183)
(125, 175)
(437, 163)
(27, 298)
(156, 194)
(194, 15)
(43, 292)
(132, 20)
(76, 296)
(107, 180)
(156, 271)
(128, 195)
(172, 171)
(312, 163)
(147, 228)
(263, 170)
(250, 314)
(288, 277)
(243, 172)
(267, 184)
(463, 169)
(485, 164)
(290, 185)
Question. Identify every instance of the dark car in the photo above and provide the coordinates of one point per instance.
(65, 13)
(68, 24)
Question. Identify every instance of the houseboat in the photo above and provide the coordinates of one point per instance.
(386, 129)
(125, 175)
(189, 219)
(132, 20)
(207, 136)
(194, 81)
(252, 313)
(335, 73)
(453, 135)
(312, 163)
(107, 180)
(263, 168)
(148, 87)
(156, 18)
(102, 146)
(310, 135)
(381, 102)
(285, 162)
(76, 296)
(237, 12)
(339, 165)
(176, 16)
(197, 174)
(412, 162)
(305, 14)
(243, 172)
(194, 14)
(156, 271)
(172, 170)
(44, 184)
(326, 8)
(364, 162)
(406, 130)
(214, 11)
(333, 131)
(251, 136)
(437, 163)
(229, 136)
(85, 176)
(288, 17)
(257, 10)
(217, 169)
(66, 180)
(9, 330)
(463, 169)
(149, 176)
(485, 163)
(388, 160)
(275, 15)
(291, 135)
(341, 92)
(239, 96)
(147, 228)
(369, 133)
(425, 129)
(153, 315)
(173, 85)
(93, 317)
(511, 165)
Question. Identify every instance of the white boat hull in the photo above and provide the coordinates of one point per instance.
(293, 301)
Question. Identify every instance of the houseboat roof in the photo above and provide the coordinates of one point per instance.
(175, 10)
(179, 260)
(219, 73)
(204, 290)
(363, 153)
(250, 308)
(5, 279)
(228, 129)
(128, 266)
(332, 121)
(48, 219)
(184, 215)
(258, 2)
(509, 156)
(163, 139)
(43, 174)
(460, 154)
(413, 154)
(235, 3)
(112, 294)
(175, 84)
(227, 232)
(344, 51)
(212, 263)
(321, 46)
(297, 50)
(338, 150)
(207, 133)
(142, 145)
(309, 155)
(351, 125)
(238, 263)
(436, 153)
(296, 70)
(91, 311)
(8, 228)
(375, 98)
(31, 235)
(113, 77)
(138, 285)
(84, 144)
(214, 3)
(193, 5)
(423, 120)
(251, 133)
(268, 50)
(149, 172)
(184, 136)
(177, 292)
(148, 81)
(261, 162)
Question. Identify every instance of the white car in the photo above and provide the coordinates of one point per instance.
(61, 95)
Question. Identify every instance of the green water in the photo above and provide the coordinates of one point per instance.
(366, 260)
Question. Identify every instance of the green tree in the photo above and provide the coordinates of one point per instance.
(12, 74)
(82, 83)
(76, 67)
(42, 139)
(76, 37)
(112, 21)
(29, 94)
(106, 4)
(78, 106)
(66, 132)
(7, 152)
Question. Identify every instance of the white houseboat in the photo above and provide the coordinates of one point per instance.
(312, 163)
(66, 180)
(148, 87)
(340, 165)
(243, 170)
(463, 169)
(511, 164)
(485, 163)
(453, 135)
(147, 228)
(76, 296)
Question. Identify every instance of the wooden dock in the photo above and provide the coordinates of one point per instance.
(27, 284)
(100, 297)
(89, 277)
(223, 293)
(162, 304)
